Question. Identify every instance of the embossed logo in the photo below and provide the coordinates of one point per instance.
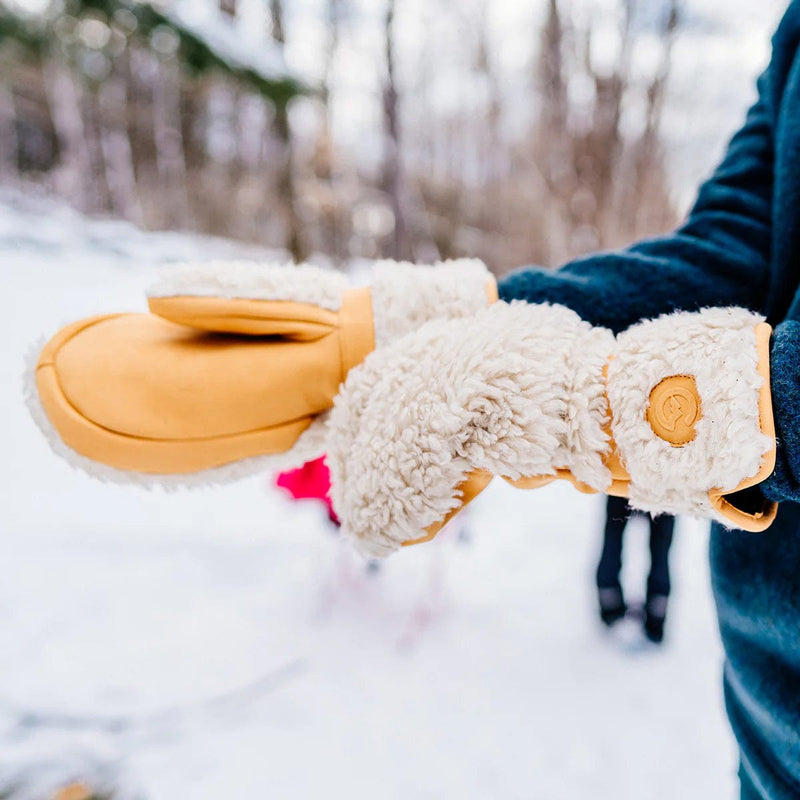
(674, 409)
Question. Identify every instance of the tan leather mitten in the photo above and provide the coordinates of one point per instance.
(674, 413)
(233, 362)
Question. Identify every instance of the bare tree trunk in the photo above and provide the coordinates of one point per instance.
(325, 168)
(169, 147)
(235, 163)
(489, 148)
(553, 145)
(392, 170)
(73, 176)
(140, 123)
(648, 156)
(552, 82)
(605, 141)
(98, 198)
(335, 11)
(285, 184)
(192, 111)
(113, 104)
(37, 143)
(8, 136)
(228, 7)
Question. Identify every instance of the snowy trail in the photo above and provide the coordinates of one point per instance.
(223, 643)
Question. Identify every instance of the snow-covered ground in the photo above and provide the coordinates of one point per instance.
(223, 643)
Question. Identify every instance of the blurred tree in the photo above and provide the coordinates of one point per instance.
(285, 184)
(109, 98)
(649, 156)
(392, 154)
(333, 215)
(594, 172)
(167, 114)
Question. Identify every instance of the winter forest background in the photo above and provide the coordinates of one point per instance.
(516, 132)
(225, 643)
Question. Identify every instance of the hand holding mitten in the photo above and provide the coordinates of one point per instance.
(674, 413)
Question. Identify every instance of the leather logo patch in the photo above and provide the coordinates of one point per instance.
(674, 409)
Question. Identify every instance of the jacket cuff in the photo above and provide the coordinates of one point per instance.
(784, 482)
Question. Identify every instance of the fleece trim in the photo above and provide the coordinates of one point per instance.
(253, 280)
(405, 296)
(517, 390)
(717, 347)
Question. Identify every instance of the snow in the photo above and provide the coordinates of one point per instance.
(225, 643)
(236, 42)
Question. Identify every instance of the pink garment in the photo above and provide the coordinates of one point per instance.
(311, 481)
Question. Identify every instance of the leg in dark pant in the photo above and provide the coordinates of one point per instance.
(661, 529)
(658, 586)
(617, 513)
(612, 603)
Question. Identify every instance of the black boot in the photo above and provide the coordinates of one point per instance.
(655, 612)
(612, 604)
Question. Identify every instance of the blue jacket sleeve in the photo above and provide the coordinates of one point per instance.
(784, 483)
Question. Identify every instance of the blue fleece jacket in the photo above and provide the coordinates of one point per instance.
(739, 246)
